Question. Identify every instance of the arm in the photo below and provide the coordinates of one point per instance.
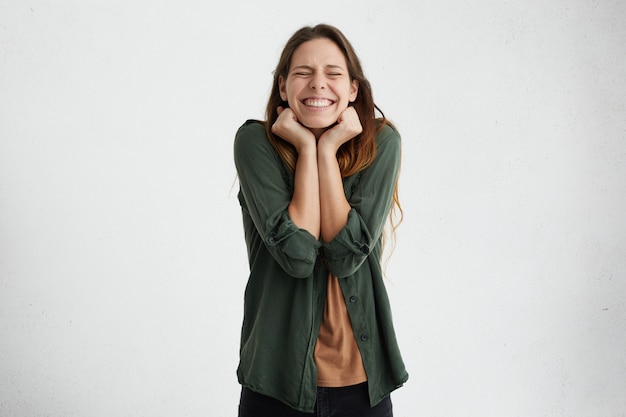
(334, 206)
(266, 196)
(304, 207)
(370, 204)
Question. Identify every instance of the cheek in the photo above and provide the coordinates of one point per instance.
(345, 92)
(291, 94)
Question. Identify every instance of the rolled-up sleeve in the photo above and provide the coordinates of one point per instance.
(265, 196)
(370, 204)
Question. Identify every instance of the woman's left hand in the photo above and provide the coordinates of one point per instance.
(348, 126)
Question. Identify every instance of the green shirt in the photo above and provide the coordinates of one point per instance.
(286, 290)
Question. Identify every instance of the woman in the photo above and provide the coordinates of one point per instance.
(318, 180)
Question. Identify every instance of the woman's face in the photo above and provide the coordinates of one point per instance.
(318, 86)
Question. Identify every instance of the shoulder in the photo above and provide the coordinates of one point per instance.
(388, 135)
(251, 137)
(252, 147)
(251, 130)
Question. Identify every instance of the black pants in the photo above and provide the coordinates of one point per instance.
(350, 401)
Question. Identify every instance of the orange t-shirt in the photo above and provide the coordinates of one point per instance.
(337, 356)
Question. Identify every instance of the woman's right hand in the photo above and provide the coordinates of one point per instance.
(287, 127)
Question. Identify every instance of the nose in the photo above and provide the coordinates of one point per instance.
(318, 82)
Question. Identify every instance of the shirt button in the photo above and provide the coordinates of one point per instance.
(271, 239)
(365, 337)
(353, 299)
(365, 250)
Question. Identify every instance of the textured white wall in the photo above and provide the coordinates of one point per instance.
(122, 262)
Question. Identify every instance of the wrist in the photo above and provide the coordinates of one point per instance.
(326, 149)
(306, 148)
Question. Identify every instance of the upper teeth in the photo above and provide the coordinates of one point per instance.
(318, 103)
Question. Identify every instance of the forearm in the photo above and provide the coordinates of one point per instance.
(334, 206)
(304, 208)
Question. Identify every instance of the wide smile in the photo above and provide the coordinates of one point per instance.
(317, 103)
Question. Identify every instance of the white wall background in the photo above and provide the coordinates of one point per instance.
(122, 261)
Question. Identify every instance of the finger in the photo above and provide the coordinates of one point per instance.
(290, 113)
(345, 117)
